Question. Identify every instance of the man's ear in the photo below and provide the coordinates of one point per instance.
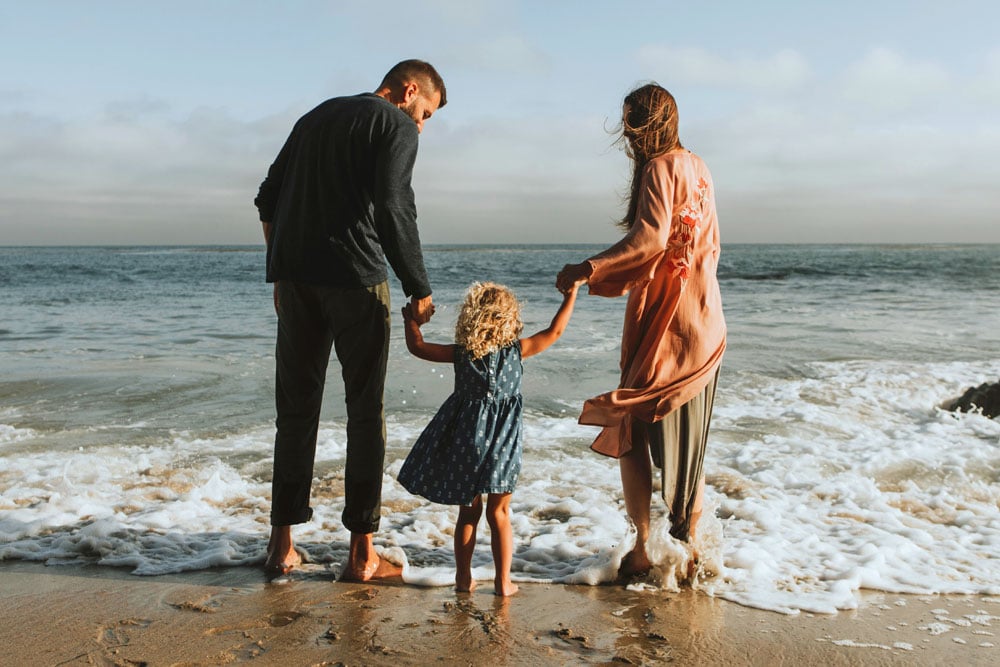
(410, 91)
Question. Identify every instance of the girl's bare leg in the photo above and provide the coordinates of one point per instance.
(637, 487)
(501, 541)
(465, 544)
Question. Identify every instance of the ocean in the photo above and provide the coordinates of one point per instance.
(136, 421)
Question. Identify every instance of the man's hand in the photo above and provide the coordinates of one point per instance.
(421, 309)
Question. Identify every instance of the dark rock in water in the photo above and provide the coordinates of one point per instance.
(985, 397)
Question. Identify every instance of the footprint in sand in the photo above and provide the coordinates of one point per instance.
(283, 618)
(119, 634)
(360, 596)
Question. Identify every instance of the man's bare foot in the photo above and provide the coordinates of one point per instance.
(635, 564)
(363, 564)
(282, 557)
(379, 570)
(504, 588)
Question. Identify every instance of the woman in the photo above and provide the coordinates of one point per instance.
(674, 334)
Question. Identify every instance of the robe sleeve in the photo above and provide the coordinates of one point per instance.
(634, 259)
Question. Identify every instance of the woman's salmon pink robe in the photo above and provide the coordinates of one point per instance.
(675, 332)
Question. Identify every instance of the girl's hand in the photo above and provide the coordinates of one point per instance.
(408, 315)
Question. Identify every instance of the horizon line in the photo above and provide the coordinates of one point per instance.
(261, 246)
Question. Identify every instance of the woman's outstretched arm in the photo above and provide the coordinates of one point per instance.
(543, 339)
(418, 347)
(634, 258)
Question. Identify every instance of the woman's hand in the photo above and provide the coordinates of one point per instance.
(572, 275)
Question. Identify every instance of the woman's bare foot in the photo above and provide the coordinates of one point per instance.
(635, 564)
(504, 588)
(693, 564)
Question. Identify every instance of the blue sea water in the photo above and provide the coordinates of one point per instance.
(136, 418)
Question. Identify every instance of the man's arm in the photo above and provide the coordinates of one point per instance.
(267, 199)
(268, 227)
(396, 216)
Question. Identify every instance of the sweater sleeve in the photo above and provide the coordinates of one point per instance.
(266, 200)
(395, 211)
(634, 259)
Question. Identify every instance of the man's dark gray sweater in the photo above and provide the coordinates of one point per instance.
(339, 196)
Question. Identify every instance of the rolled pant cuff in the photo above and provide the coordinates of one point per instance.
(291, 519)
(362, 528)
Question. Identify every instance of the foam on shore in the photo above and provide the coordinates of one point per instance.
(845, 479)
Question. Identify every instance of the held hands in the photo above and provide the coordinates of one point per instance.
(420, 310)
(408, 320)
(572, 276)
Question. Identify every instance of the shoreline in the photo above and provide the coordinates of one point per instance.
(86, 614)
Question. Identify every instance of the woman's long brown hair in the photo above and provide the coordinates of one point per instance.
(648, 130)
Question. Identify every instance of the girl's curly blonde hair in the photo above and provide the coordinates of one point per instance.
(490, 319)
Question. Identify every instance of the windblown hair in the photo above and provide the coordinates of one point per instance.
(648, 130)
(423, 73)
(489, 320)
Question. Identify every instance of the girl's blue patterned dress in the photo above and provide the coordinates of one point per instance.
(473, 444)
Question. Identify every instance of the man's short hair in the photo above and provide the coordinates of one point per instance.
(415, 70)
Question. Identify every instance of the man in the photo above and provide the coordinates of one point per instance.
(335, 204)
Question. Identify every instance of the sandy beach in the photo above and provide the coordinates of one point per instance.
(73, 615)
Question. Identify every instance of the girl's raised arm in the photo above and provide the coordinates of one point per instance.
(543, 339)
(416, 345)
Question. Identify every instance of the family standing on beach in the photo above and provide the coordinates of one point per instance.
(337, 203)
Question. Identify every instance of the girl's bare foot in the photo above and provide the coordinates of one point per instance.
(504, 588)
(464, 583)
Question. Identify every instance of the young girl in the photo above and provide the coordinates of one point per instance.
(472, 445)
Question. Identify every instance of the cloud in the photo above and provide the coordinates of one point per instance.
(497, 178)
(136, 174)
(857, 155)
(784, 69)
(505, 53)
(886, 80)
(883, 166)
(984, 85)
(133, 175)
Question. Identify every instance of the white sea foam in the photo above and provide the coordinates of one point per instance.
(11, 434)
(846, 477)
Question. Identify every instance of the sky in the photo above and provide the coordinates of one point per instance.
(822, 122)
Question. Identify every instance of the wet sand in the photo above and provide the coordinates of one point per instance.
(80, 615)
